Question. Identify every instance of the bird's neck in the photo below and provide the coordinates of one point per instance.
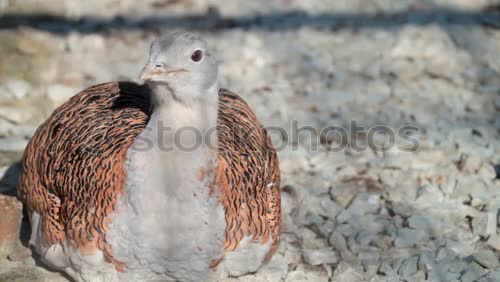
(179, 141)
(181, 111)
(182, 128)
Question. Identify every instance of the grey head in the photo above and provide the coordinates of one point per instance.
(181, 62)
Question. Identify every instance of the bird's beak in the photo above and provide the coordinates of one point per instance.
(150, 71)
(147, 72)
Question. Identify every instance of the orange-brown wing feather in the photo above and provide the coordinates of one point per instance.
(247, 175)
(73, 165)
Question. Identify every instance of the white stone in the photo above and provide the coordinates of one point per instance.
(329, 208)
(408, 267)
(494, 276)
(301, 273)
(275, 270)
(409, 237)
(369, 258)
(487, 259)
(321, 256)
(16, 115)
(60, 93)
(429, 47)
(12, 144)
(344, 272)
(18, 88)
(4, 93)
(338, 241)
(427, 223)
(428, 195)
(310, 240)
(343, 193)
(494, 241)
(366, 203)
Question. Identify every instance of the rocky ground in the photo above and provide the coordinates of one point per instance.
(351, 211)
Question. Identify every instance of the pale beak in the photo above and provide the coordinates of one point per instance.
(147, 72)
(150, 71)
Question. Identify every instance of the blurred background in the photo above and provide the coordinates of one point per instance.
(348, 215)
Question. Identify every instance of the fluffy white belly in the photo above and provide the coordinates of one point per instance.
(166, 226)
(166, 223)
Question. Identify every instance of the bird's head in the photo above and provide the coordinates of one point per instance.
(181, 62)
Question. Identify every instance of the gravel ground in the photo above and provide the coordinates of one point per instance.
(425, 208)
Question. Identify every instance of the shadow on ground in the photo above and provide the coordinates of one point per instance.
(212, 20)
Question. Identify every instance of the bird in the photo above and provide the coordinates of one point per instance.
(172, 179)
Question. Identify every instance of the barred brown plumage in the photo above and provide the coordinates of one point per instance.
(73, 170)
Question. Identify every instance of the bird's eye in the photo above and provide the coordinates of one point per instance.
(197, 56)
(158, 66)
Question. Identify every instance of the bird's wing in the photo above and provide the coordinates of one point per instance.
(73, 165)
(247, 175)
